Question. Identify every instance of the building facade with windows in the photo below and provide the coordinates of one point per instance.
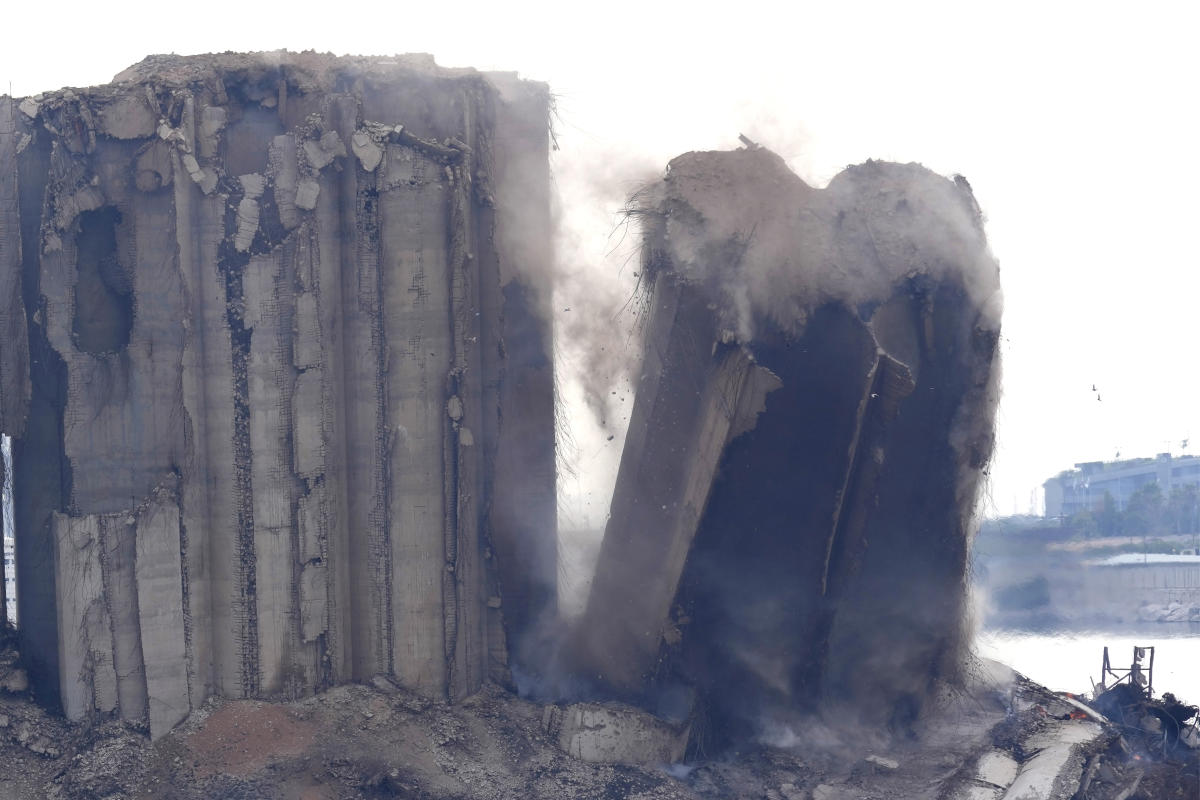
(1084, 487)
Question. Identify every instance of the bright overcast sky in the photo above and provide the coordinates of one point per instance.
(1076, 124)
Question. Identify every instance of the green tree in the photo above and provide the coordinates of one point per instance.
(1183, 508)
(1144, 513)
(1108, 518)
(1085, 523)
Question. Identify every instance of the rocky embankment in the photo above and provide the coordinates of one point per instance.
(1169, 612)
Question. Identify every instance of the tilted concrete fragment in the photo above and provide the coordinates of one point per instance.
(238, 294)
(615, 733)
(791, 519)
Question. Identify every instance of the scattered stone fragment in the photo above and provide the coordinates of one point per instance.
(306, 194)
(247, 224)
(321, 153)
(368, 152)
(253, 185)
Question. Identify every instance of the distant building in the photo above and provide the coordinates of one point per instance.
(1084, 487)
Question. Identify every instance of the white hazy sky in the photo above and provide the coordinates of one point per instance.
(1076, 124)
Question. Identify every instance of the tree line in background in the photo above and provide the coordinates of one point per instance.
(1148, 512)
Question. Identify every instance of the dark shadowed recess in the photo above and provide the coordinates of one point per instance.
(751, 587)
(43, 483)
(103, 311)
(522, 516)
(820, 579)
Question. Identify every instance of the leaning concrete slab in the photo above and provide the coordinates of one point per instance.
(794, 504)
(267, 314)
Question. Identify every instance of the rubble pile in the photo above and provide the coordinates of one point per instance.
(1003, 737)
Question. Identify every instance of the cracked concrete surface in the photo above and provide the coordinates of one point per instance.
(238, 293)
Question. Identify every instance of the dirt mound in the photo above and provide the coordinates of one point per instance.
(243, 737)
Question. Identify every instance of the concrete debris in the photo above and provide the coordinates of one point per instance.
(1059, 752)
(128, 116)
(212, 122)
(1154, 727)
(883, 763)
(997, 768)
(321, 152)
(247, 224)
(13, 680)
(236, 475)
(307, 192)
(253, 185)
(365, 148)
(615, 733)
(368, 741)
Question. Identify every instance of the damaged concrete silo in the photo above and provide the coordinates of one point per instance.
(264, 320)
(790, 524)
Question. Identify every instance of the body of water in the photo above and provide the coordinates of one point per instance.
(1070, 660)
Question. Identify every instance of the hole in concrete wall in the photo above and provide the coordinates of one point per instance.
(103, 315)
(10, 543)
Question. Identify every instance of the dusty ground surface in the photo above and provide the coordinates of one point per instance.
(378, 741)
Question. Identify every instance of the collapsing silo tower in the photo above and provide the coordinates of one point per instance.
(270, 339)
(791, 520)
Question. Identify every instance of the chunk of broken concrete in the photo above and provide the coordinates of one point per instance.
(306, 194)
(15, 681)
(320, 153)
(192, 167)
(791, 791)
(253, 185)
(203, 177)
(1059, 751)
(247, 224)
(996, 768)
(128, 117)
(614, 733)
(212, 122)
(369, 153)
